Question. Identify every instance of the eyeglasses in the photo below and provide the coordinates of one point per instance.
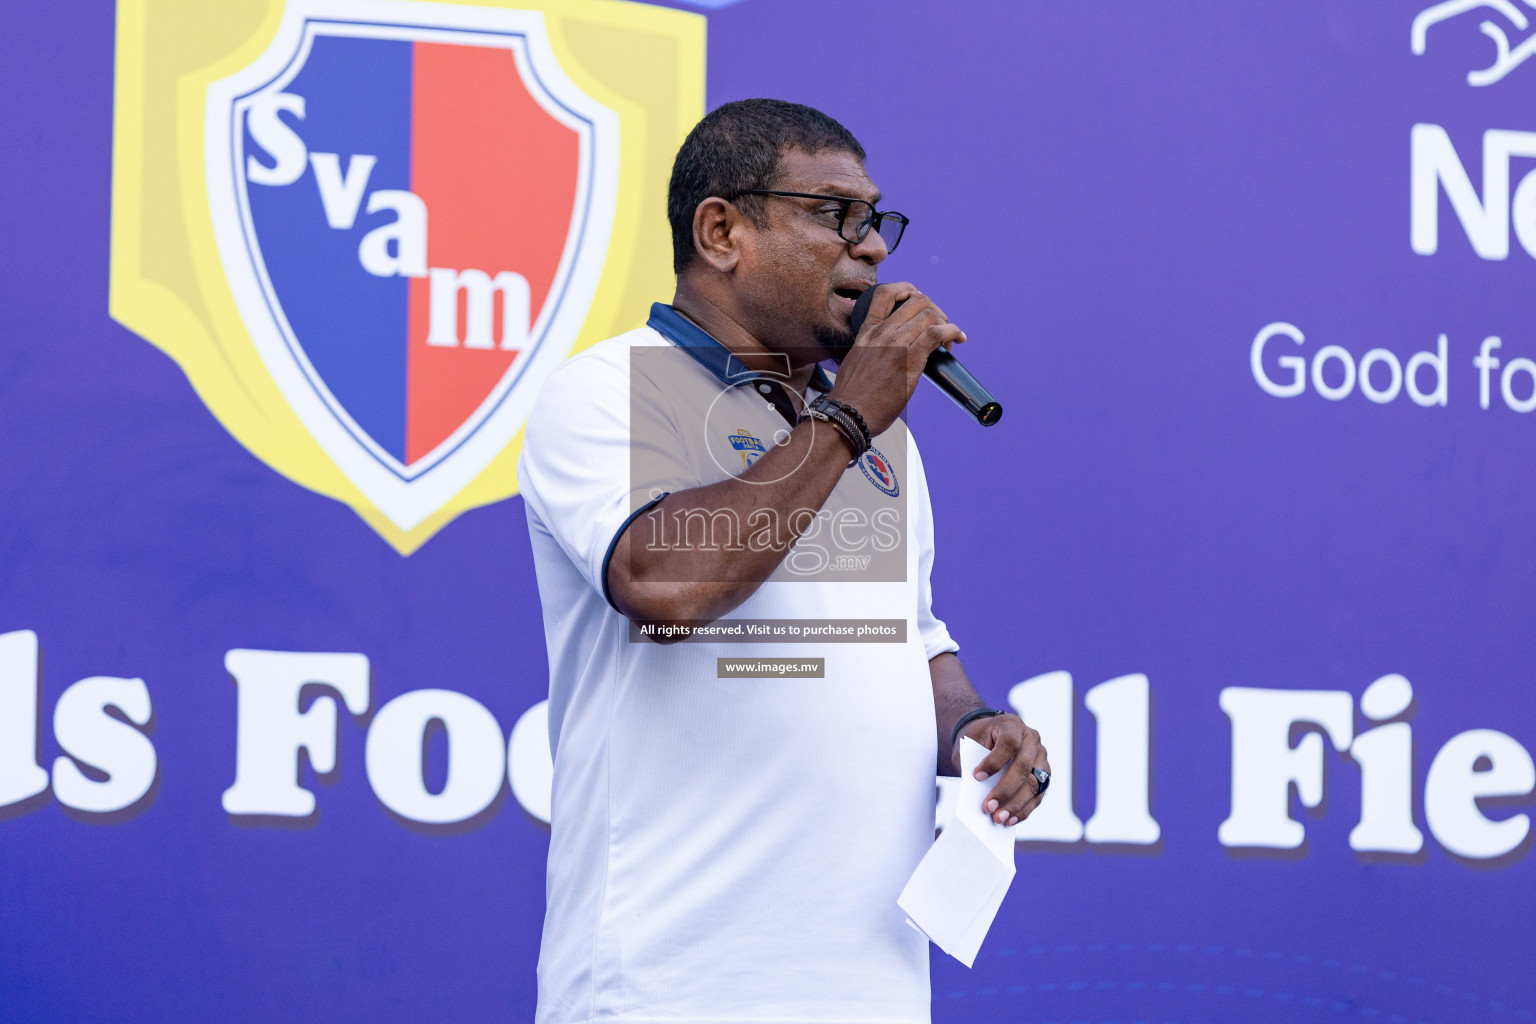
(854, 216)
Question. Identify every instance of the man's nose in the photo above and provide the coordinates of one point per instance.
(872, 250)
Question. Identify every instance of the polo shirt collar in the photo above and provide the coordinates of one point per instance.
(710, 354)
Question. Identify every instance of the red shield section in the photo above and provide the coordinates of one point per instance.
(498, 175)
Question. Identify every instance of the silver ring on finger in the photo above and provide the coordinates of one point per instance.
(1042, 780)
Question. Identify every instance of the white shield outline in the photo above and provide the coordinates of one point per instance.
(408, 495)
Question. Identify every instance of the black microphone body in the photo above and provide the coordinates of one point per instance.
(945, 371)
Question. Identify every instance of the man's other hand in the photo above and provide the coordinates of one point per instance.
(1015, 749)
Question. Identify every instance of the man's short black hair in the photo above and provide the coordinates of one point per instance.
(737, 147)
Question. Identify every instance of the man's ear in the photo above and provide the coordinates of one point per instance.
(717, 233)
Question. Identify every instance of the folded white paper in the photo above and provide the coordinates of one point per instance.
(954, 894)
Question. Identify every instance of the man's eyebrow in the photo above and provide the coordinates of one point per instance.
(842, 193)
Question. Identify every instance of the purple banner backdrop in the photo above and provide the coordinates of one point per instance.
(1113, 200)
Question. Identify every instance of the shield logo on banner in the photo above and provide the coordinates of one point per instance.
(416, 212)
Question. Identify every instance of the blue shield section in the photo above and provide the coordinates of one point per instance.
(351, 325)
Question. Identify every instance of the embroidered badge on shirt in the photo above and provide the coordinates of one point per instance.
(879, 471)
(749, 447)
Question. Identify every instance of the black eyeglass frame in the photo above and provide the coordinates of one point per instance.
(875, 219)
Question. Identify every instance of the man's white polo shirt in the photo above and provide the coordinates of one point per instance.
(726, 849)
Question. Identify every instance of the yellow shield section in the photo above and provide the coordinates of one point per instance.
(167, 282)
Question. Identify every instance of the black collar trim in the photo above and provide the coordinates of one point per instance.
(712, 355)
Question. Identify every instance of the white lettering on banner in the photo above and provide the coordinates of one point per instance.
(1347, 374)
(90, 736)
(476, 756)
(341, 196)
(1456, 783)
(1435, 167)
(1486, 362)
(108, 763)
(1385, 757)
(1121, 709)
(270, 729)
(274, 135)
(395, 249)
(1121, 811)
(1297, 365)
(1506, 385)
(1435, 361)
(1381, 376)
(1486, 222)
(1319, 361)
(1265, 765)
(530, 766)
(480, 292)
(407, 233)
(1045, 702)
(1381, 396)
(1473, 765)
(21, 777)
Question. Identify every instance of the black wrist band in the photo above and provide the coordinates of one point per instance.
(847, 421)
(849, 431)
(844, 429)
(967, 719)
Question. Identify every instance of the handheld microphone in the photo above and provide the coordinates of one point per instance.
(945, 371)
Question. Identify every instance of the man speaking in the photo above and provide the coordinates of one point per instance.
(736, 809)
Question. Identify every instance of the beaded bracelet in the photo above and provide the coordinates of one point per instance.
(846, 418)
(835, 414)
(829, 402)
